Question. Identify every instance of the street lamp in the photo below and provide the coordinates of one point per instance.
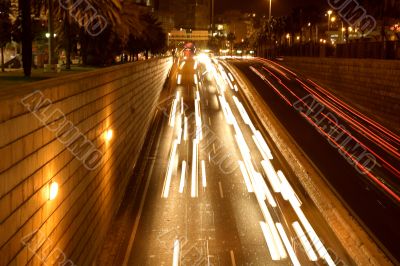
(270, 9)
(329, 18)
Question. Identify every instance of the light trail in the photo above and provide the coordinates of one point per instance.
(286, 242)
(171, 162)
(321, 250)
(194, 189)
(245, 177)
(271, 85)
(304, 242)
(179, 81)
(273, 251)
(287, 190)
(175, 258)
(271, 175)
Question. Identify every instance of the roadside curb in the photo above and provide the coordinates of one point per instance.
(355, 240)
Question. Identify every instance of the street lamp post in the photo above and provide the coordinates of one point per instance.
(269, 24)
(329, 19)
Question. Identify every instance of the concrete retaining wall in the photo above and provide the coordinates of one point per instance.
(373, 86)
(70, 228)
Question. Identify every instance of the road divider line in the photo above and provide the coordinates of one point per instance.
(286, 242)
(304, 242)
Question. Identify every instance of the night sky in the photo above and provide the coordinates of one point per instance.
(279, 7)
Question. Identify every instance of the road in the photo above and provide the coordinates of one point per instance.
(212, 194)
(357, 156)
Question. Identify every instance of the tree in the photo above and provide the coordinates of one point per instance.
(26, 33)
(231, 39)
(6, 27)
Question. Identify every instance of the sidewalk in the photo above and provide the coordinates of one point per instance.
(16, 77)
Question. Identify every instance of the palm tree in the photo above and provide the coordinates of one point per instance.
(25, 16)
(5, 25)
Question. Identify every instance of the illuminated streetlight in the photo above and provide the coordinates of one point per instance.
(329, 18)
(333, 19)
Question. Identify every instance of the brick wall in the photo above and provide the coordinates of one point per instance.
(35, 230)
(373, 86)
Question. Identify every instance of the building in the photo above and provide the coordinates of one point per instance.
(178, 38)
(186, 14)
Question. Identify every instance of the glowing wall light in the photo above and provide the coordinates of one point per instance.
(53, 190)
(108, 135)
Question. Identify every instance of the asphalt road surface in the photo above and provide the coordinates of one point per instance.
(358, 157)
(211, 193)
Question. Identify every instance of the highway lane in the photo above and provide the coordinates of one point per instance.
(340, 142)
(210, 200)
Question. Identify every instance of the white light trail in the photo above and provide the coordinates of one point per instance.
(286, 242)
(304, 241)
(321, 250)
(171, 162)
(231, 77)
(183, 177)
(262, 146)
(264, 189)
(245, 177)
(175, 258)
(179, 79)
(270, 242)
(194, 190)
(182, 65)
(287, 190)
(195, 65)
(195, 79)
(172, 115)
(271, 226)
(271, 175)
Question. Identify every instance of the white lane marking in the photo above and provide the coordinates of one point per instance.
(175, 259)
(203, 174)
(233, 258)
(179, 79)
(304, 241)
(220, 190)
(209, 121)
(194, 191)
(208, 255)
(289, 247)
(273, 250)
(183, 177)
